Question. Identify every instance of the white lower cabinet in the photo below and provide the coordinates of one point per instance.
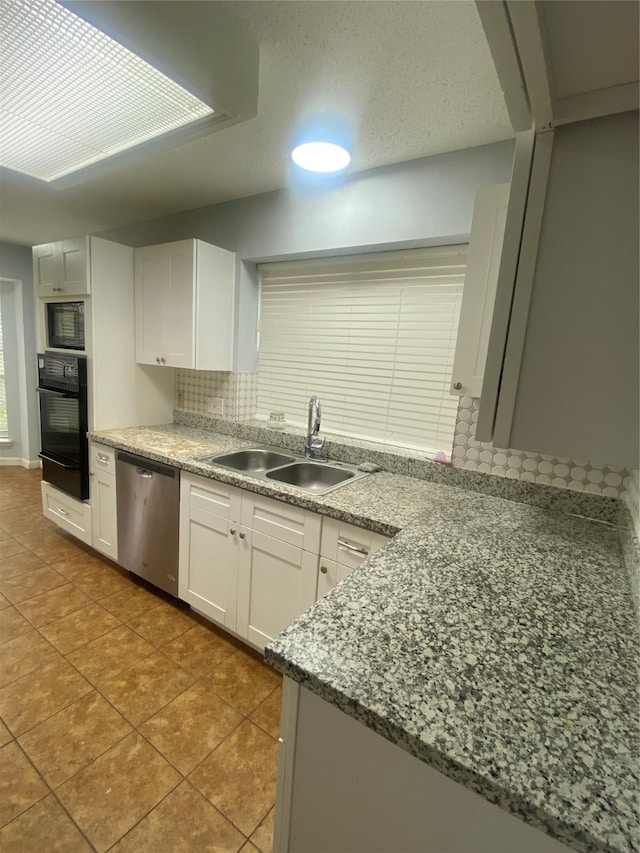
(68, 513)
(343, 548)
(104, 514)
(276, 583)
(208, 572)
(253, 579)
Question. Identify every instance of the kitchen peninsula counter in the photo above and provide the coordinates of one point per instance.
(495, 641)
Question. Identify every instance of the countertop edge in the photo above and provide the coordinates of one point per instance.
(571, 835)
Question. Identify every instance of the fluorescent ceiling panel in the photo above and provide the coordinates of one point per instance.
(71, 96)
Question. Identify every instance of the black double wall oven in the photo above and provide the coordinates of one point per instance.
(62, 387)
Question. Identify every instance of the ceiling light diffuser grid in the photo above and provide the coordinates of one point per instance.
(71, 96)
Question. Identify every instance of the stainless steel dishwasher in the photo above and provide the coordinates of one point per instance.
(148, 514)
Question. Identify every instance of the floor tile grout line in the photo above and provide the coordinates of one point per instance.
(40, 776)
(57, 711)
(168, 794)
(198, 680)
(93, 760)
(77, 826)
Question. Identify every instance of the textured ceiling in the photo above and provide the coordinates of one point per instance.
(413, 78)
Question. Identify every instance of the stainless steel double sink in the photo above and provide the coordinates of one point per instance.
(272, 464)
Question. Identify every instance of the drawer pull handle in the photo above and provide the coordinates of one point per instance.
(63, 512)
(102, 457)
(342, 543)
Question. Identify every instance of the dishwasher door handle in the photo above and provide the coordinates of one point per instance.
(144, 473)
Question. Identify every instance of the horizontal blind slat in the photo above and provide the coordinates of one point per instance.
(373, 336)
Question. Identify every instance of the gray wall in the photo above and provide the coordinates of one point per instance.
(579, 381)
(423, 202)
(15, 263)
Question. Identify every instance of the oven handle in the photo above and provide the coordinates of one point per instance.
(45, 455)
(69, 395)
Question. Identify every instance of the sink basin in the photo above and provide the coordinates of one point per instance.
(255, 460)
(310, 476)
(272, 464)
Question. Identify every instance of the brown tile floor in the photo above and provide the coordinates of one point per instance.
(127, 723)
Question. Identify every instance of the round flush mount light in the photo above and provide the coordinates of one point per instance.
(321, 156)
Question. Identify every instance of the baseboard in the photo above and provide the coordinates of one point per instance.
(24, 463)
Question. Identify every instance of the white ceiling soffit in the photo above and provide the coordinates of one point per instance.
(564, 60)
(592, 51)
(209, 52)
(415, 79)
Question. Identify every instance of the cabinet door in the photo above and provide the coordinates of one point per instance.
(480, 281)
(62, 269)
(208, 570)
(74, 275)
(330, 574)
(152, 296)
(327, 577)
(277, 582)
(104, 516)
(165, 304)
(46, 269)
(180, 327)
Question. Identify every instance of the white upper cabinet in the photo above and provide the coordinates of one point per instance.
(483, 264)
(184, 305)
(62, 269)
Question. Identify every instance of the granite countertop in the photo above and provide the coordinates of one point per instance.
(494, 640)
(382, 502)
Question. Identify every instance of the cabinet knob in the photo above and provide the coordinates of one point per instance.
(457, 385)
(242, 535)
(163, 360)
(232, 531)
(157, 359)
(324, 569)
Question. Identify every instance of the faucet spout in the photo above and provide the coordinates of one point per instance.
(313, 444)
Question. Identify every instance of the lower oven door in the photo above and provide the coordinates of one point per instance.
(63, 434)
(64, 475)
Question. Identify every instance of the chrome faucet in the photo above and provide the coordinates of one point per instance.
(313, 445)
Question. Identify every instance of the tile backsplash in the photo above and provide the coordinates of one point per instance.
(596, 478)
(238, 391)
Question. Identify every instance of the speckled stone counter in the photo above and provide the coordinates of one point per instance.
(494, 640)
(382, 502)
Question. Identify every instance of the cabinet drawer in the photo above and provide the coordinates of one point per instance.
(69, 514)
(286, 523)
(102, 458)
(210, 496)
(348, 545)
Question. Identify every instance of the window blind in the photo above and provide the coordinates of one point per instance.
(4, 426)
(373, 336)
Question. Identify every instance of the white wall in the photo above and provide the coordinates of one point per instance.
(15, 263)
(423, 202)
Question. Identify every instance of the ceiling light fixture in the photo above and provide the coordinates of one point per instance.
(71, 96)
(321, 156)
